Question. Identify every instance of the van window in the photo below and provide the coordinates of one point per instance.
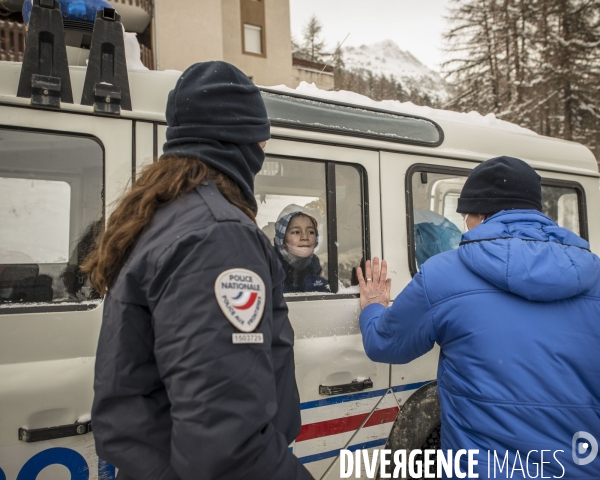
(312, 212)
(436, 227)
(51, 211)
(295, 111)
(561, 204)
(351, 241)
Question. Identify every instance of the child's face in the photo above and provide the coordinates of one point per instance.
(301, 237)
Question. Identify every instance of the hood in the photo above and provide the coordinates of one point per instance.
(526, 253)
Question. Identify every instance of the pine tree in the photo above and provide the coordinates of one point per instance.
(313, 46)
(532, 62)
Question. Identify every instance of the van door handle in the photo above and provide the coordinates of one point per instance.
(41, 434)
(354, 386)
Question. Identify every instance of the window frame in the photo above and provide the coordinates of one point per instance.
(253, 13)
(442, 169)
(58, 307)
(332, 248)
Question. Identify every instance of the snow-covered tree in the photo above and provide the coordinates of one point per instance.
(532, 62)
(313, 46)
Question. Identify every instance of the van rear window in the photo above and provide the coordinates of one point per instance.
(51, 210)
(300, 112)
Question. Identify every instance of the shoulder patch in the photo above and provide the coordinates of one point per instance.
(241, 296)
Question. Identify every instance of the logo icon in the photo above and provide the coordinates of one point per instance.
(584, 443)
(244, 300)
(241, 296)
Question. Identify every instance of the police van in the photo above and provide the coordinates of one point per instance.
(376, 179)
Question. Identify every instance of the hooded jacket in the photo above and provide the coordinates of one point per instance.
(301, 276)
(516, 312)
(304, 279)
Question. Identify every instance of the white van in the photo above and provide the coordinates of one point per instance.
(370, 174)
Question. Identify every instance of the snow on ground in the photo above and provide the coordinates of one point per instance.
(387, 58)
(471, 118)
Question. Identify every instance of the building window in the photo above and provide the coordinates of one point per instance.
(252, 39)
(253, 27)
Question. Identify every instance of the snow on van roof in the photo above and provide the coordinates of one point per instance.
(471, 118)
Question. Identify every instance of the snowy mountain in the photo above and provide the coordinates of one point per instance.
(387, 58)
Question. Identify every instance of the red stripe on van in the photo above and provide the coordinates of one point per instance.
(346, 424)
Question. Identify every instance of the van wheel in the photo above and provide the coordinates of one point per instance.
(418, 424)
(434, 440)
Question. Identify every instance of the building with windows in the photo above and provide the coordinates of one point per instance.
(254, 35)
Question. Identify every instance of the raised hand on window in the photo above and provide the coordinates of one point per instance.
(376, 287)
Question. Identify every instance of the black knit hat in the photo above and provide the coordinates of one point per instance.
(502, 183)
(217, 115)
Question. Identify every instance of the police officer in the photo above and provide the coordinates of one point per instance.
(195, 369)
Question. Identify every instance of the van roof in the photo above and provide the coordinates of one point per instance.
(350, 119)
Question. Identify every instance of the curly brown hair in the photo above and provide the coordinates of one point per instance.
(158, 184)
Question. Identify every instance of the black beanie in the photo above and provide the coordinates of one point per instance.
(502, 183)
(217, 115)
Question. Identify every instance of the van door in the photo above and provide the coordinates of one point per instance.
(58, 170)
(413, 194)
(426, 191)
(339, 188)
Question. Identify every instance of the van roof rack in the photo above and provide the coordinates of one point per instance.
(45, 76)
(106, 84)
(45, 71)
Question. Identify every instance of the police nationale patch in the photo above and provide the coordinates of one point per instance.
(241, 296)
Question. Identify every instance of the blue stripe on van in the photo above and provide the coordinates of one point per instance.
(410, 386)
(352, 397)
(334, 453)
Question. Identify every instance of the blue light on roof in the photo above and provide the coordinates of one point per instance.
(78, 10)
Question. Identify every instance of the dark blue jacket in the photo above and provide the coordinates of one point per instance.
(307, 279)
(516, 312)
(174, 397)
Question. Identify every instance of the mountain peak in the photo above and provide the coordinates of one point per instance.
(387, 58)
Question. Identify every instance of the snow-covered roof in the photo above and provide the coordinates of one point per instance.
(471, 118)
(467, 136)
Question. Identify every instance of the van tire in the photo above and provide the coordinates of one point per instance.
(418, 424)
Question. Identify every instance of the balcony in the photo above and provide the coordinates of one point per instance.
(12, 41)
(12, 44)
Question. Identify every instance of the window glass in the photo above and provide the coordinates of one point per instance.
(50, 211)
(296, 111)
(252, 39)
(292, 212)
(561, 205)
(350, 228)
(317, 237)
(438, 227)
(24, 206)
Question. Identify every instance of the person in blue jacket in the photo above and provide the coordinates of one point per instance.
(194, 375)
(516, 312)
(296, 238)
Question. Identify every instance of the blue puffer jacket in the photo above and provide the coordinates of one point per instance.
(516, 312)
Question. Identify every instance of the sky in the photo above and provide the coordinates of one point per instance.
(415, 25)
